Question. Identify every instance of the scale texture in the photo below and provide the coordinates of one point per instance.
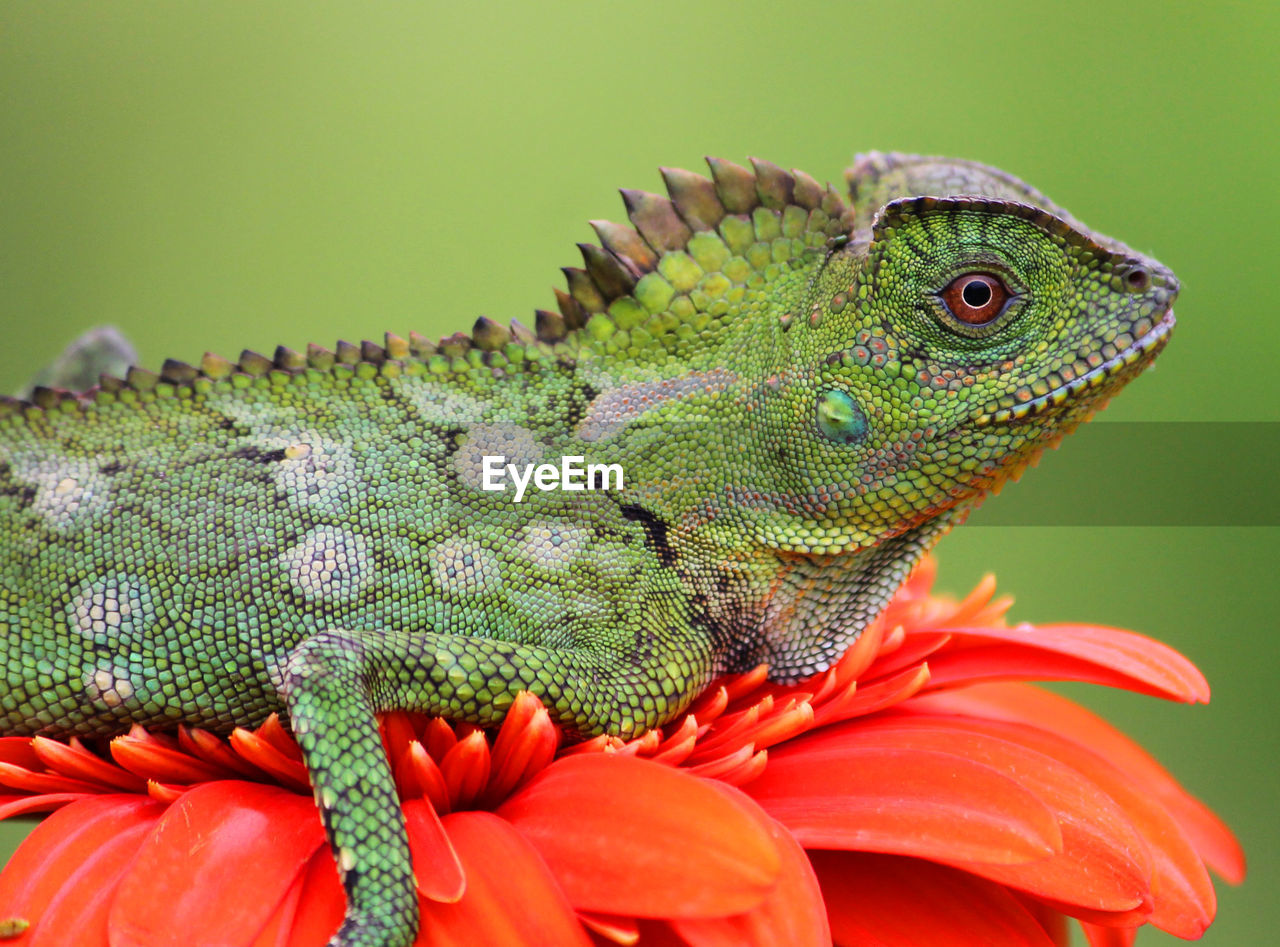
(803, 392)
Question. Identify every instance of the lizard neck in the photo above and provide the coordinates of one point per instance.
(799, 612)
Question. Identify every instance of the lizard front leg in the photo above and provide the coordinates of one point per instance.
(338, 680)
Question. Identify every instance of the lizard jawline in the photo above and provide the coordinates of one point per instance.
(1148, 344)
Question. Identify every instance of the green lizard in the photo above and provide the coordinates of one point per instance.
(788, 397)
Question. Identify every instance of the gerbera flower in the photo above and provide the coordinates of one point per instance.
(912, 794)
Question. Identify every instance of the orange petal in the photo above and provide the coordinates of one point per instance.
(1033, 705)
(267, 755)
(854, 663)
(740, 685)
(892, 640)
(729, 733)
(397, 727)
(321, 903)
(976, 602)
(1132, 918)
(65, 872)
(675, 749)
(526, 743)
(163, 792)
(74, 760)
(659, 934)
(916, 647)
(611, 927)
(216, 752)
(418, 775)
(273, 731)
(632, 837)
(152, 757)
(833, 792)
(711, 704)
(19, 752)
(643, 745)
(511, 897)
(439, 737)
(921, 578)
(220, 862)
(716, 767)
(792, 914)
(604, 743)
(1109, 936)
(1185, 902)
(784, 725)
(1093, 653)
(278, 931)
(1104, 863)
(22, 805)
(737, 769)
(907, 902)
(465, 769)
(435, 863)
(876, 695)
(1056, 924)
(23, 779)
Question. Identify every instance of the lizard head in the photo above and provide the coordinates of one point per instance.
(953, 338)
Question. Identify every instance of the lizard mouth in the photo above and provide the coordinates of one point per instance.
(1142, 349)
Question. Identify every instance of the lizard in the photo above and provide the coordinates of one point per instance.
(803, 390)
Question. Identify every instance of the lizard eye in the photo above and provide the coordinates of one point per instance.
(976, 299)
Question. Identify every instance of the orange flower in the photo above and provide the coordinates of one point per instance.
(908, 795)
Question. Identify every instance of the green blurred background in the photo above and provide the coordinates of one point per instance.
(227, 175)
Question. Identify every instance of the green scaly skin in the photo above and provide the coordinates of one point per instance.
(797, 413)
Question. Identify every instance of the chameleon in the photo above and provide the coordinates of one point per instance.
(804, 391)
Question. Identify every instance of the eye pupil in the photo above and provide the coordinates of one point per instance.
(975, 299)
(976, 293)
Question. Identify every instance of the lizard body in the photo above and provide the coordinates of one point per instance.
(802, 396)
